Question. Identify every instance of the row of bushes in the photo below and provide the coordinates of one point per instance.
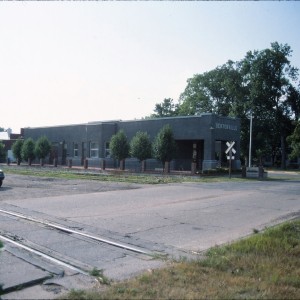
(28, 150)
(163, 147)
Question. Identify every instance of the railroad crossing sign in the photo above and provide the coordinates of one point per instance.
(230, 150)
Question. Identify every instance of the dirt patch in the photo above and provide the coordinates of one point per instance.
(24, 187)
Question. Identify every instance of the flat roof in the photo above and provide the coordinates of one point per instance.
(134, 120)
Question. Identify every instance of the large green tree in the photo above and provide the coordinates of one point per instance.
(119, 147)
(217, 91)
(167, 108)
(268, 76)
(262, 84)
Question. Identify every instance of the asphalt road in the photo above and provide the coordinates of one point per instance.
(176, 219)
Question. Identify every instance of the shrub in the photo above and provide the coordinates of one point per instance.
(28, 153)
(42, 147)
(119, 146)
(2, 152)
(140, 146)
(17, 150)
(164, 146)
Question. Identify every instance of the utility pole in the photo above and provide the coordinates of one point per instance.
(250, 144)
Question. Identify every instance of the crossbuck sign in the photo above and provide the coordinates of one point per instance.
(230, 150)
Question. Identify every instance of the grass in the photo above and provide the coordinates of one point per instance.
(100, 276)
(1, 245)
(263, 266)
(111, 176)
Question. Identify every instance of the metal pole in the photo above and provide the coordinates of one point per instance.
(230, 158)
(250, 145)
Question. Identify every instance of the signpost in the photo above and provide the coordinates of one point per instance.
(229, 151)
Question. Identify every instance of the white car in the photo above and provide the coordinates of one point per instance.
(1, 177)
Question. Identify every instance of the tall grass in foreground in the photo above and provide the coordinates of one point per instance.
(263, 266)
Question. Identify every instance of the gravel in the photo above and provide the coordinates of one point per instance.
(25, 187)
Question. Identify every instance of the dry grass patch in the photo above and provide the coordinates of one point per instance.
(264, 266)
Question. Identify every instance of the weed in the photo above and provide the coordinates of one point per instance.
(77, 294)
(95, 272)
(159, 256)
(99, 274)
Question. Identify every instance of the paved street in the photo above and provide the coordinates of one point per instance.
(188, 216)
(175, 219)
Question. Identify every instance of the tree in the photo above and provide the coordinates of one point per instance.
(164, 146)
(216, 91)
(294, 141)
(262, 83)
(17, 150)
(42, 147)
(119, 147)
(165, 109)
(140, 146)
(268, 75)
(28, 150)
(293, 99)
(2, 152)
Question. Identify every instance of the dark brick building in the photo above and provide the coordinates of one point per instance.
(203, 137)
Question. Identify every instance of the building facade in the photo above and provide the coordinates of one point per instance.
(201, 139)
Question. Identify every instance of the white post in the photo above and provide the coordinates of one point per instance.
(250, 145)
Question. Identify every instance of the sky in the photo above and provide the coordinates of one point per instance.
(71, 62)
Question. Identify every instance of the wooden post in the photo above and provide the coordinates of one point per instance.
(193, 168)
(103, 164)
(86, 163)
(167, 167)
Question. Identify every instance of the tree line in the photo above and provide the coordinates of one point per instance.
(263, 85)
(28, 150)
(163, 147)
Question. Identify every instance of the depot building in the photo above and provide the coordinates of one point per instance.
(201, 139)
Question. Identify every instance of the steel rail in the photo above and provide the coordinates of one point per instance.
(55, 260)
(65, 229)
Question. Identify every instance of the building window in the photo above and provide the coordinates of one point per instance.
(107, 150)
(94, 150)
(75, 149)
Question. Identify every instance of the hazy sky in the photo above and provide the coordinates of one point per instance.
(75, 62)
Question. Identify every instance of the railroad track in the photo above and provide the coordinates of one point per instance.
(71, 249)
(75, 232)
